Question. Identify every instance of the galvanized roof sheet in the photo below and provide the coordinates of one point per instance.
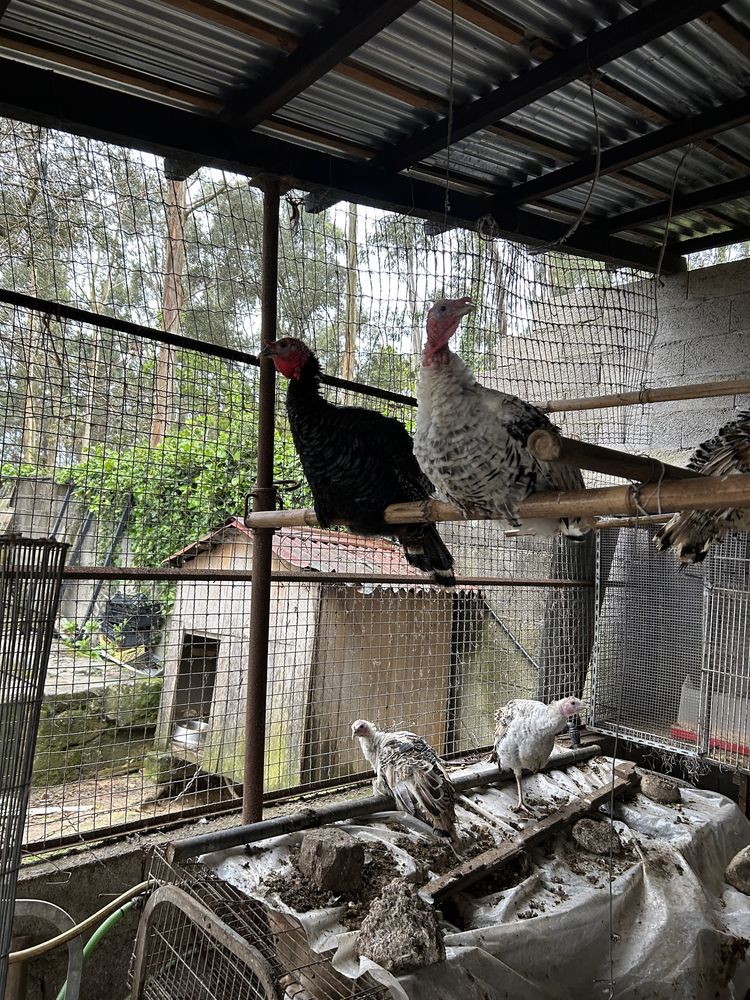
(191, 54)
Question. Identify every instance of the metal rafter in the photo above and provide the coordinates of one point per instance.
(703, 198)
(328, 45)
(99, 112)
(632, 32)
(694, 245)
(673, 136)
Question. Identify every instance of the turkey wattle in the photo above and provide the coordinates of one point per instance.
(471, 440)
(357, 462)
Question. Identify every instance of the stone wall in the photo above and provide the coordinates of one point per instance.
(703, 335)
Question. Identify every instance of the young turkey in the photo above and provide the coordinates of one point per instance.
(691, 533)
(525, 733)
(407, 767)
(471, 440)
(357, 462)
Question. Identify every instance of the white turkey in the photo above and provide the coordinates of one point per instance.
(407, 767)
(691, 533)
(525, 733)
(471, 440)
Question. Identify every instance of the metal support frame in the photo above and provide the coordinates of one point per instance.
(324, 48)
(40, 909)
(99, 112)
(264, 496)
(672, 136)
(602, 47)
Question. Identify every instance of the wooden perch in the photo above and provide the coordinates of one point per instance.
(548, 446)
(489, 861)
(697, 390)
(703, 493)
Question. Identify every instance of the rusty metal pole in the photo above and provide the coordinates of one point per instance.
(264, 498)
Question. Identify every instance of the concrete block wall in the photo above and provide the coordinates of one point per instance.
(703, 336)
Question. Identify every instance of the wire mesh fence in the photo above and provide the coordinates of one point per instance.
(131, 431)
(30, 573)
(670, 667)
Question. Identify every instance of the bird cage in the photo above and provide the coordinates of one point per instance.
(672, 647)
(30, 577)
(200, 938)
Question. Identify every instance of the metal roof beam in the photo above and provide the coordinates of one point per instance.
(30, 94)
(681, 133)
(347, 30)
(737, 235)
(638, 29)
(717, 194)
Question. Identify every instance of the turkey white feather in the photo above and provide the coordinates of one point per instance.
(525, 733)
(470, 440)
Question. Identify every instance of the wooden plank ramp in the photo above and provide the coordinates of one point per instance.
(471, 871)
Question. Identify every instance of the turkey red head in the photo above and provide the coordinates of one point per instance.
(289, 355)
(571, 706)
(442, 322)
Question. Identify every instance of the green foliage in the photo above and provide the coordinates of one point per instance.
(180, 489)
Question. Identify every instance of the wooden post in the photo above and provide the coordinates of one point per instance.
(483, 864)
(696, 390)
(704, 493)
(548, 446)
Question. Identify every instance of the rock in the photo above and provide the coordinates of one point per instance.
(738, 870)
(660, 789)
(594, 835)
(332, 859)
(401, 931)
(134, 705)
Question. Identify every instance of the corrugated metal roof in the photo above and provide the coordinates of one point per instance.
(209, 52)
(316, 549)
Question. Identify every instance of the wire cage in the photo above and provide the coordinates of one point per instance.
(670, 666)
(200, 938)
(129, 328)
(30, 576)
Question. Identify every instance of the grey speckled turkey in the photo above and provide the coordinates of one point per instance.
(691, 533)
(471, 440)
(525, 733)
(407, 767)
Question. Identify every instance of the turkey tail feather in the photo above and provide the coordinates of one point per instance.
(426, 550)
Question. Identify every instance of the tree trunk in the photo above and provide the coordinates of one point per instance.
(349, 361)
(173, 297)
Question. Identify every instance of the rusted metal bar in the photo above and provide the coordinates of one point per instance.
(264, 496)
(703, 493)
(549, 446)
(310, 576)
(218, 840)
(696, 390)
(101, 321)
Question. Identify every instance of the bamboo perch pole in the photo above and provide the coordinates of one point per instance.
(548, 446)
(703, 493)
(697, 390)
